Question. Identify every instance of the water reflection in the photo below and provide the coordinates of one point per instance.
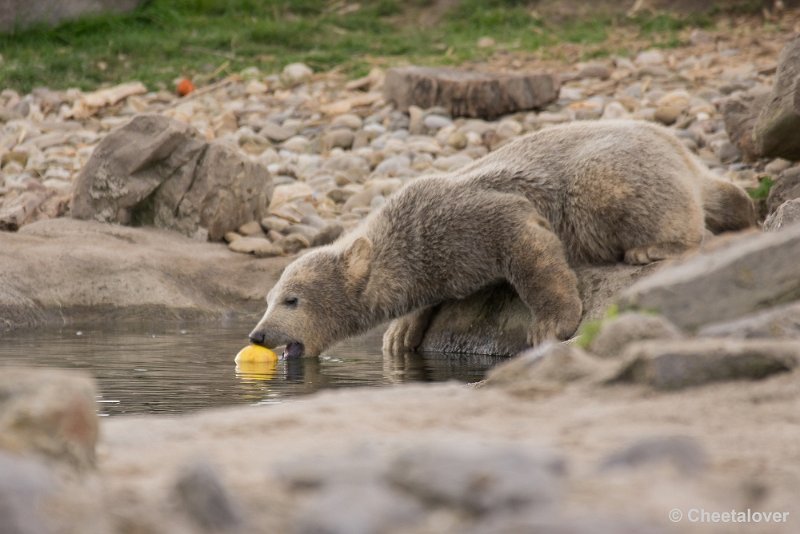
(172, 368)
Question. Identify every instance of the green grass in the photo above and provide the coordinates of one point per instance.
(761, 192)
(208, 39)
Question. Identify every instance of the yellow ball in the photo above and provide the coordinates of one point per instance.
(255, 354)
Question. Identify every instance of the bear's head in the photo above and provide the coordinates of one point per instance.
(317, 301)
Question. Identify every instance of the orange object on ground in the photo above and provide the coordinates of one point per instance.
(185, 86)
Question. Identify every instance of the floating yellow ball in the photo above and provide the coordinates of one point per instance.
(255, 354)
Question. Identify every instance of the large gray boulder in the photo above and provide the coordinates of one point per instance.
(775, 129)
(159, 171)
(67, 270)
(495, 321)
(750, 273)
(16, 14)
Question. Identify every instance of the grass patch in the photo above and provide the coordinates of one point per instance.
(761, 191)
(166, 39)
(591, 329)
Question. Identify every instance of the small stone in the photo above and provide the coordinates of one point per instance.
(284, 194)
(617, 333)
(436, 122)
(698, 37)
(328, 234)
(394, 166)
(339, 195)
(294, 243)
(614, 111)
(276, 224)
(275, 132)
(457, 140)
(595, 70)
(251, 229)
(296, 73)
(450, 163)
(205, 499)
(650, 58)
(230, 237)
(415, 116)
(297, 143)
(347, 120)
(777, 166)
(670, 106)
(337, 138)
(255, 245)
(678, 364)
(255, 87)
(486, 42)
(683, 453)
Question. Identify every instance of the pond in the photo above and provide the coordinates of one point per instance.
(179, 367)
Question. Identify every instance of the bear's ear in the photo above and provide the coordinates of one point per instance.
(357, 259)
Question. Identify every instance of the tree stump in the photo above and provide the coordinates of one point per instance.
(464, 93)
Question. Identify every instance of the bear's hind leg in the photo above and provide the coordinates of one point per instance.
(537, 268)
(405, 333)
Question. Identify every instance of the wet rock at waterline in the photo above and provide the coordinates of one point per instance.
(158, 171)
(495, 320)
(165, 275)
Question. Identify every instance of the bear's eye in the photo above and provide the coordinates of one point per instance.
(290, 301)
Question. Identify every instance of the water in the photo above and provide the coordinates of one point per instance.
(174, 368)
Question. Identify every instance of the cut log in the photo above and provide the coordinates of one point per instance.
(464, 93)
(775, 131)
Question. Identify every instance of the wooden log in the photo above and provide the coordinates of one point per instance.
(465, 93)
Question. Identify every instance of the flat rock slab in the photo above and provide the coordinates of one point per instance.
(494, 321)
(469, 93)
(677, 364)
(751, 273)
(67, 270)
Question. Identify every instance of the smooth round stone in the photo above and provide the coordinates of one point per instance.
(393, 166)
(435, 122)
(298, 143)
(453, 162)
(348, 120)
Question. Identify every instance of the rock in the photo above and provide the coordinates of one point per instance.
(670, 106)
(740, 113)
(750, 273)
(230, 237)
(394, 166)
(786, 187)
(250, 229)
(477, 477)
(275, 132)
(274, 223)
(684, 453)
(328, 234)
(786, 215)
(205, 499)
(468, 93)
(679, 364)
(617, 333)
(259, 246)
(347, 120)
(594, 70)
(18, 14)
(486, 42)
(296, 73)
(778, 322)
(494, 320)
(436, 122)
(285, 194)
(774, 133)
(156, 170)
(24, 486)
(615, 110)
(337, 138)
(649, 58)
(546, 368)
(49, 412)
(166, 275)
(380, 509)
(294, 243)
(451, 163)
(21, 210)
(297, 143)
(777, 166)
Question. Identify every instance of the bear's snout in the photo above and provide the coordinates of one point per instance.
(257, 338)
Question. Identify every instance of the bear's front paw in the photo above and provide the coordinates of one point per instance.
(405, 334)
(559, 326)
